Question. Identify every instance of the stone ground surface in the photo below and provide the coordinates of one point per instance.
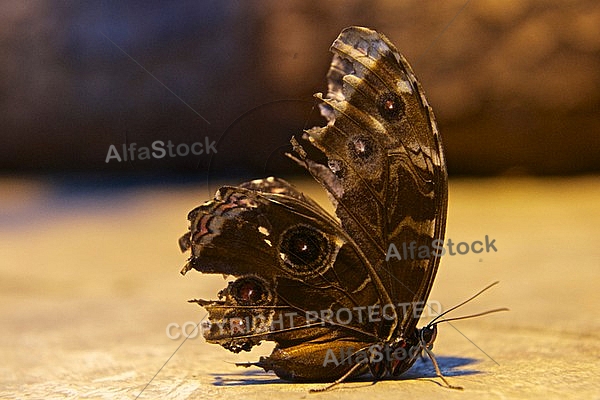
(90, 282)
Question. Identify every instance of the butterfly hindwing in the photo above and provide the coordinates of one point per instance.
(292, 268)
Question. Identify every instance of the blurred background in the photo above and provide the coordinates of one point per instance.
(515, 84)
(89, 259)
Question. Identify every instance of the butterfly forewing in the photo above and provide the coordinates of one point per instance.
(385, 153)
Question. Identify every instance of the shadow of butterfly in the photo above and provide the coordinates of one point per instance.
(321, 286)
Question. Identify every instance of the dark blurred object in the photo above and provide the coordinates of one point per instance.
(514, 84)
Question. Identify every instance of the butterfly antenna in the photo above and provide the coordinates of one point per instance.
(433, 322)
(495, 310)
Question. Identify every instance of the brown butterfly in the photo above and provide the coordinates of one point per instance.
(323, 287)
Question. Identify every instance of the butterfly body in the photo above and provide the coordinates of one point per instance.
(321, 286)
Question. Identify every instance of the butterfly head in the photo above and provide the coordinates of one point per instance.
(427, 335)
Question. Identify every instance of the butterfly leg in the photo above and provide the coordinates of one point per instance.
(438, 372)
(337, 381)
(371, 356)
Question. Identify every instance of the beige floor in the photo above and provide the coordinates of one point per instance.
(89, 284)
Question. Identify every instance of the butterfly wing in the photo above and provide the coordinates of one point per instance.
(387, 173)
(305, 278)
(298, 280)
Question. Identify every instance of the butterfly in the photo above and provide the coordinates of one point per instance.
(322, 287)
